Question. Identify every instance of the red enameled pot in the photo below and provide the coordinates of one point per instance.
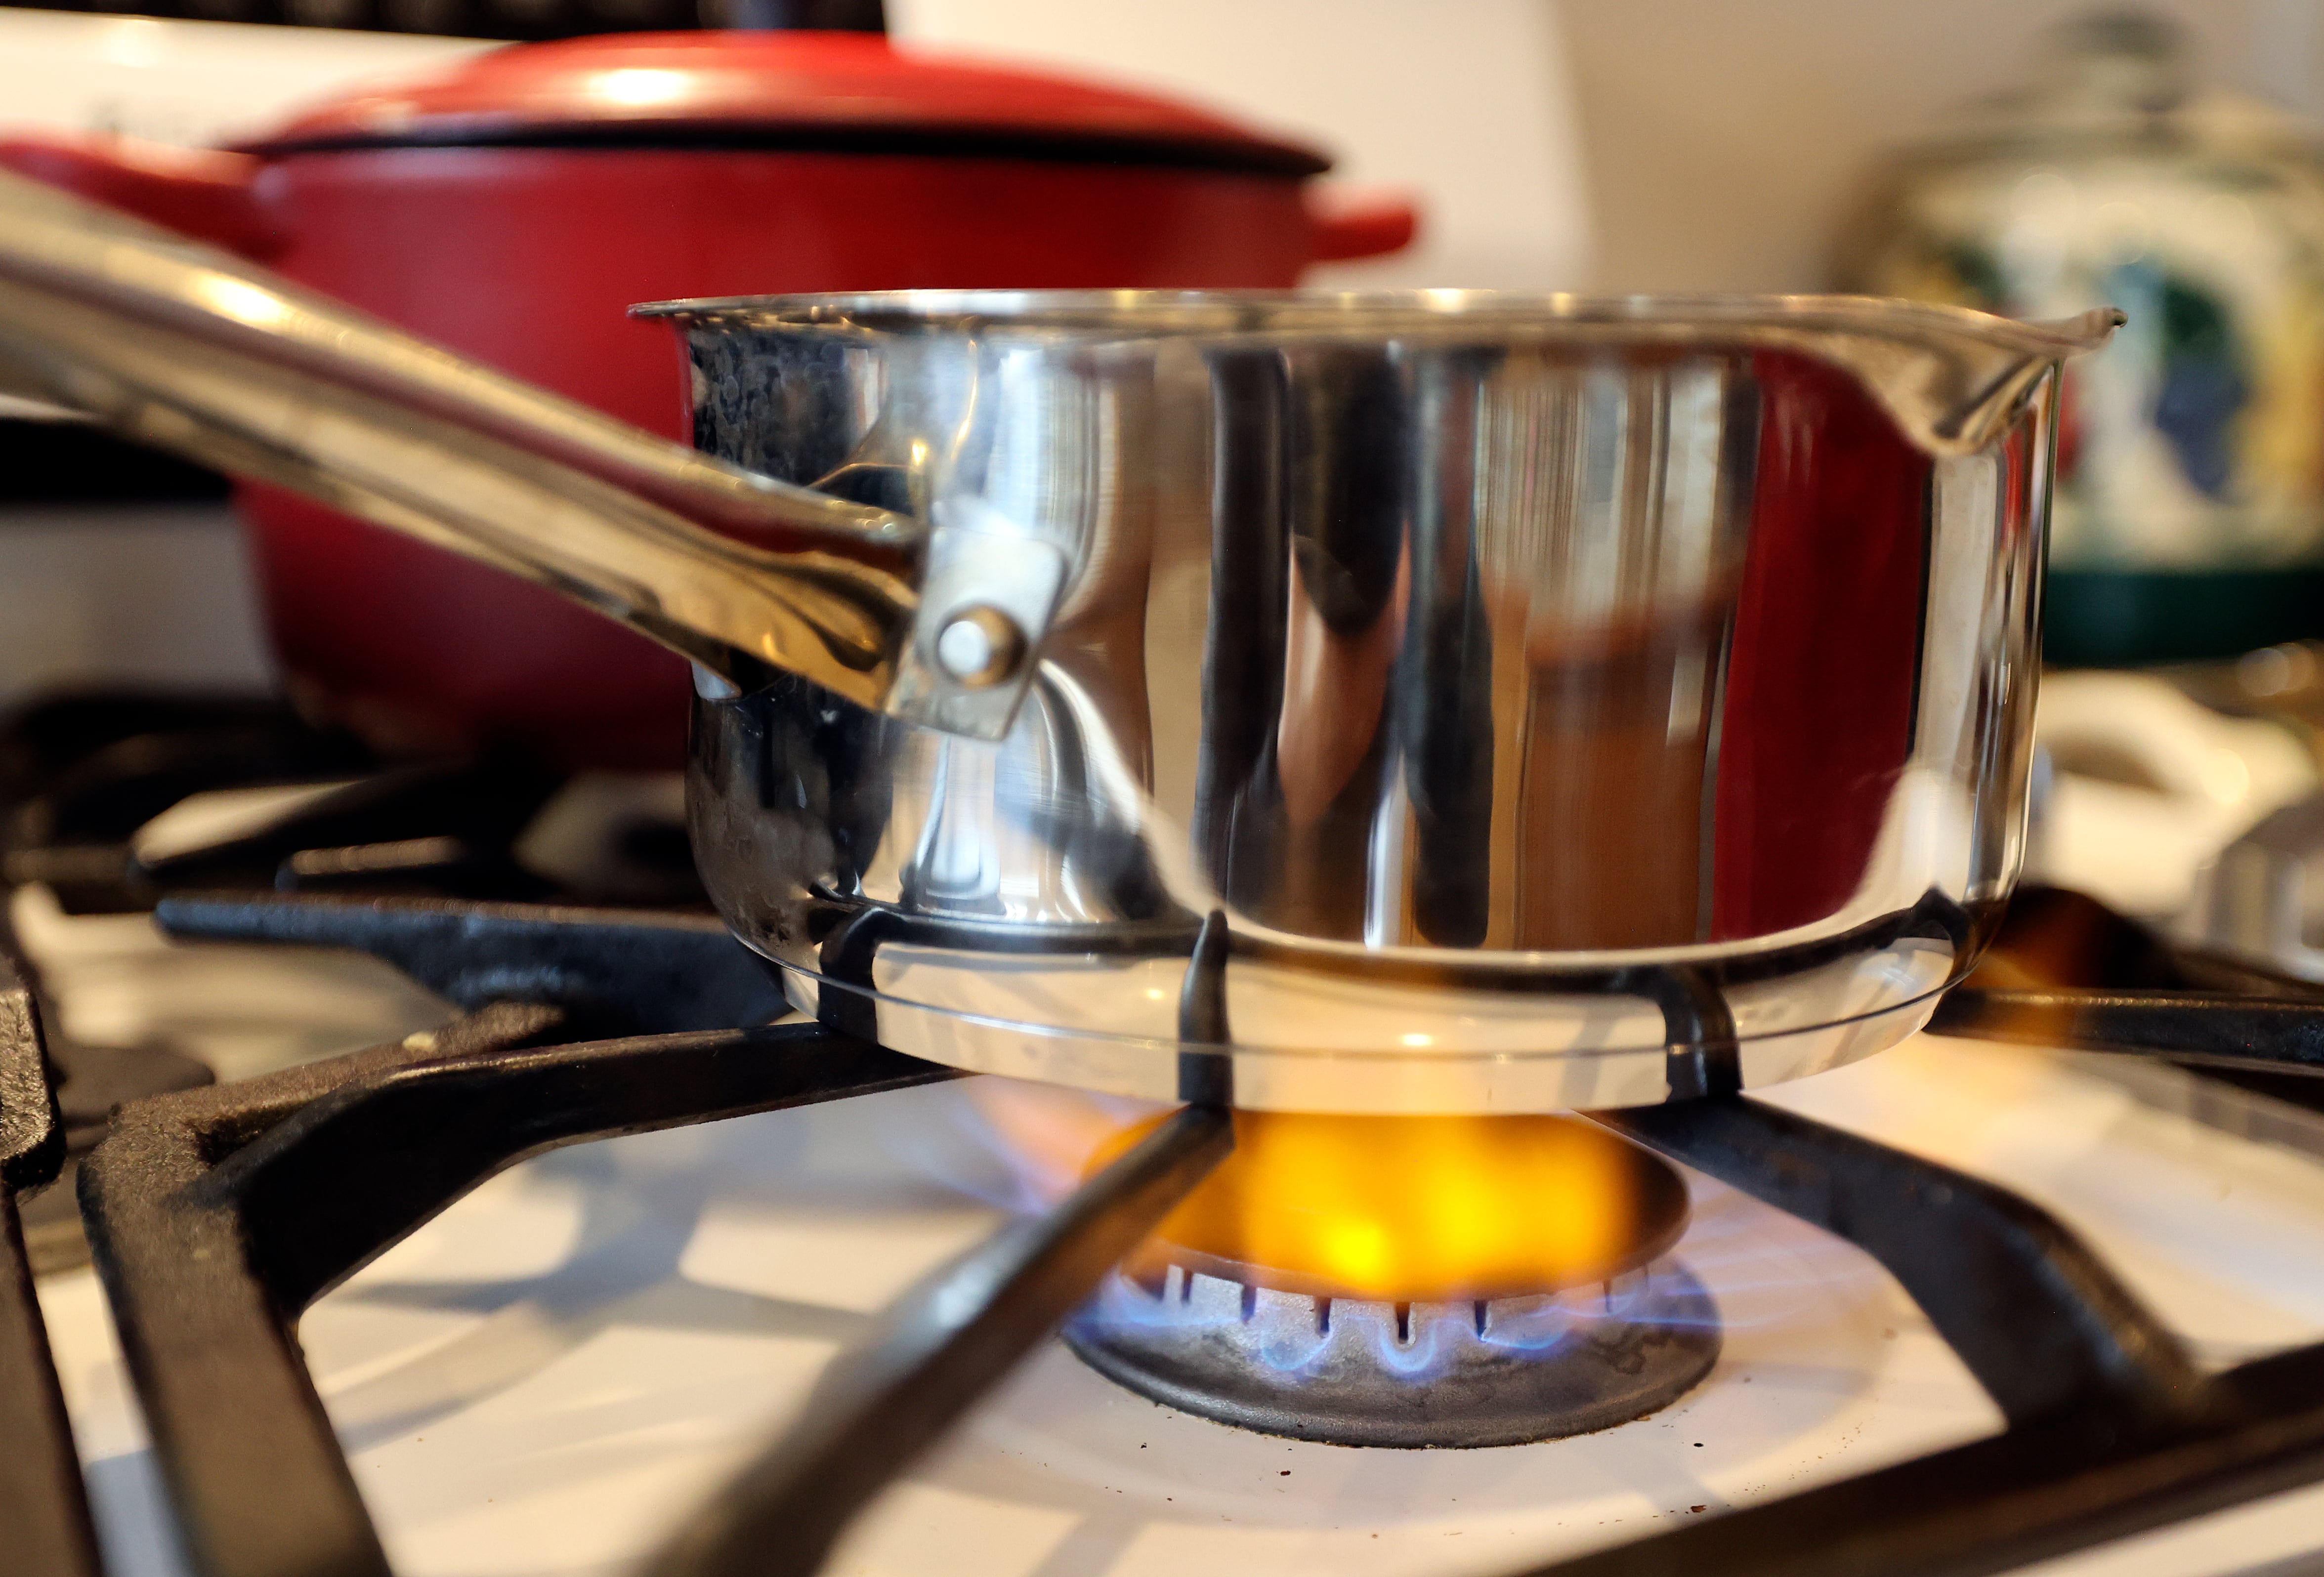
(515, 206)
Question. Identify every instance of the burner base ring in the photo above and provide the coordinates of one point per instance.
(1345, 1372)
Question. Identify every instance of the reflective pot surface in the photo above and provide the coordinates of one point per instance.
(1457, 704)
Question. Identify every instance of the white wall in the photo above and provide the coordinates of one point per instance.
(1611, 144)
(1722, 137)
(140, 594)
(1463, 100)
(190, 83)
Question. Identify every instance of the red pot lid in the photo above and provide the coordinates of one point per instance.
(838, 91)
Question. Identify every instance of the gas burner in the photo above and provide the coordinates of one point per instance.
(1413, 1281)
(1348, 1371)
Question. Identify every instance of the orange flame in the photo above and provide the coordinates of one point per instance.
(1399, 1209)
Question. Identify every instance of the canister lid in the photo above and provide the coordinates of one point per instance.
(829, 91)
(2111, 84)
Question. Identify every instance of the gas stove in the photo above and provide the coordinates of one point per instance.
(364, 1302)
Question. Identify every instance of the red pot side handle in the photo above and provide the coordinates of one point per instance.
(195, 191)
(1370, 223)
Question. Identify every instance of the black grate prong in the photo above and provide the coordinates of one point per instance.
(2204, 1029)
(944, 1346)
(614, 971)
(260, 1485)
(2038, 1491)
(2037, 1317)
(1205, 1034)
(44, 1526)
(215, 1215)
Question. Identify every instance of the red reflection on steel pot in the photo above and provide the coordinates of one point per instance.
(514, 206)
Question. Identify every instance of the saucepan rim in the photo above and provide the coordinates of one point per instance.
(1160, 314)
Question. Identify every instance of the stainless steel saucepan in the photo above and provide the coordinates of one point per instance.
(1436, 702)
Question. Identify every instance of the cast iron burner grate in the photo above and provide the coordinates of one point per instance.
(1562, 1345)
(82, 773)
(218, 1214)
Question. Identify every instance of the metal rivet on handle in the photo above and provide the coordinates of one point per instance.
(979, 646)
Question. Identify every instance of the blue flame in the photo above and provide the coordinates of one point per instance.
(1296, 1335)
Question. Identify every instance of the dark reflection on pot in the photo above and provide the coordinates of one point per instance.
(1480, 601)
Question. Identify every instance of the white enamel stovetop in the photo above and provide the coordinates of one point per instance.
(538, 1382)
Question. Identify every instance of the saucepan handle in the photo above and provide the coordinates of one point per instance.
(172, 343)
